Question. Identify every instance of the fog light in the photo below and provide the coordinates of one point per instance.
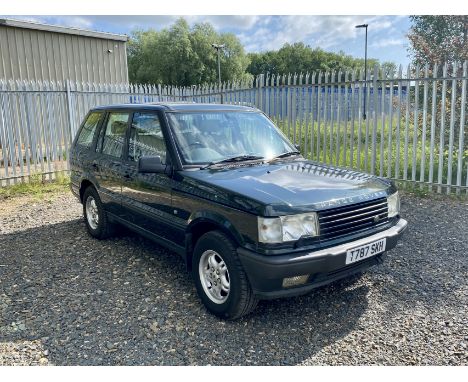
(296, 280)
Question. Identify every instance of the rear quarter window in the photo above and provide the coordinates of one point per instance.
(86, 135)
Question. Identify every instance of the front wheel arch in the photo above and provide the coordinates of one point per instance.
(240, 299)
(197, 229)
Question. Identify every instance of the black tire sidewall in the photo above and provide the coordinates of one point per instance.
(225, 249)
(99, 231)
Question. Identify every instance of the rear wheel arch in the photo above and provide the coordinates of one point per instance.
(85, 183)
(96, 219)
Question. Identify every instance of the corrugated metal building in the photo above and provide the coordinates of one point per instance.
(35, 51)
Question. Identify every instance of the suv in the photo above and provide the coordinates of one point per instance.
(224, 188)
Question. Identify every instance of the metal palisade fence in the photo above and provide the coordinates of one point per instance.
(410, 125)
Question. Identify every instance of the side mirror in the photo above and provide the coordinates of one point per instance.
(298, 147)
(152, 165)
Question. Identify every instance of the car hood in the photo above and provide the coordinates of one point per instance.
(287, 187)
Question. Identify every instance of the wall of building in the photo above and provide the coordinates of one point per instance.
(35, 54)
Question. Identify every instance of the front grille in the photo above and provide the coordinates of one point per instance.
(347, 220)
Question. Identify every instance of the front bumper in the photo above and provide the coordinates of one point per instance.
(266, 273)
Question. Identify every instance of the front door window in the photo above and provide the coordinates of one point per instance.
(146, 137)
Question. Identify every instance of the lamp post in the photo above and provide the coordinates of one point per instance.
(365, 68)
(218, 47)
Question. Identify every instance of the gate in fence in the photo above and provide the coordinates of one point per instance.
(409, 126)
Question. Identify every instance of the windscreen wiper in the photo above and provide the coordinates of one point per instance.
(286, 154)
(238, 158)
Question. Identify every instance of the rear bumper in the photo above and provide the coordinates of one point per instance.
(75, 189)
(266, 273)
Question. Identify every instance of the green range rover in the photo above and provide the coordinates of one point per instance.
(224, 188)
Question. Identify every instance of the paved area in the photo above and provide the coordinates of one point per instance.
(68, 299)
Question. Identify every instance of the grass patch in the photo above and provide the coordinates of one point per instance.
(414, 189)
(37, 187)
(400, 151)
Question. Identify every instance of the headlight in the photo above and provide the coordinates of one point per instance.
(393, 202)
(269, 230)
(287, 228)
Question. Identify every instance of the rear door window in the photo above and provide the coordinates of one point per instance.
(114, 134)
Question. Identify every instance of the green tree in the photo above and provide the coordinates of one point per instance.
(389, 69)
(438, 39)
(301, 58)
(184, 56)
(261, 63)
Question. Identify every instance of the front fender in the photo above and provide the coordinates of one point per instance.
(213, 218)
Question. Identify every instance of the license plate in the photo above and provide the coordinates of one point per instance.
(365, 251)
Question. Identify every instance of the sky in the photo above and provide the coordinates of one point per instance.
(387, 39)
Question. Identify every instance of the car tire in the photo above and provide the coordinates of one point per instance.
(96, 219)
(220, 278)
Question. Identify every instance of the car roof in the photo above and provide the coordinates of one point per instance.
(177, 106)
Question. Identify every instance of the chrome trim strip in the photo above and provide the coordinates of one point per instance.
(342, 248)
(352, 211)
(352, 219)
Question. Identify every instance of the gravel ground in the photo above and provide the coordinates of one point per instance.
(68, 299)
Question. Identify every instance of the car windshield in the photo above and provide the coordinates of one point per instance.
(209, 137)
